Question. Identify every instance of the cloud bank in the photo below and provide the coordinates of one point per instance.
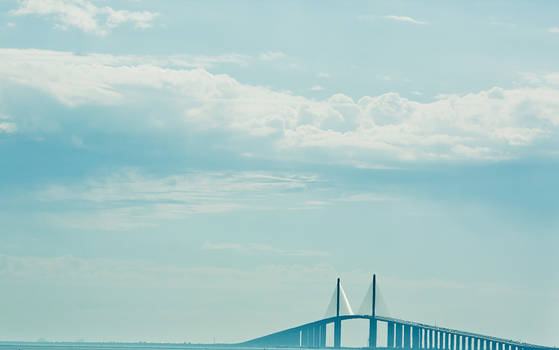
(489, 125)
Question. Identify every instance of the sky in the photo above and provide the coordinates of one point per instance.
(199, 171)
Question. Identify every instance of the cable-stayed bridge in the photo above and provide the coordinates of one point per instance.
(400, 334)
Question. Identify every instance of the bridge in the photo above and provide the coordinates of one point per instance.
(400, 334)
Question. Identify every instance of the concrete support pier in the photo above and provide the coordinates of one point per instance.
(416, 338)
(316, 337)
(407, 331)
(323, 335)
(431, 339)
(372, 333)
(390, 335)
(398, 335)
(338, 333)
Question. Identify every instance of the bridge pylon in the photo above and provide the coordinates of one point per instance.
(400, 334)
(338, 321)
(373, 320)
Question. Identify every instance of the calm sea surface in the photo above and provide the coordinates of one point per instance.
(115, 346)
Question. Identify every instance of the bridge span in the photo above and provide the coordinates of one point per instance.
(400, 334)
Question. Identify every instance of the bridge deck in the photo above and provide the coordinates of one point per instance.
(420, 325)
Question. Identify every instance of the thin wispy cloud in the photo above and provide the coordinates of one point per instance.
(84, 15)
(316, 203)
(366, 197)
(7, 125)
(502, 24)
(554, 30)
(131, 185)
(203, 61)
(405, 19)
(271, 56)
(130, 199)
(75, 271)
(258, 248)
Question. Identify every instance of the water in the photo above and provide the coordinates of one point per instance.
(117, 346)
(121, 346)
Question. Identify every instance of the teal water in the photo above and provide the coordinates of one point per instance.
(110, 346)
(117, 346)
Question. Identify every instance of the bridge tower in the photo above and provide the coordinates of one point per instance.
(338, 321)
(373, 320)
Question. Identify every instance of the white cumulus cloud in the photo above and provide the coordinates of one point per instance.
(490, 125)
(84, 15)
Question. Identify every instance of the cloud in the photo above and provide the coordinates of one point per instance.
(129, 199)
(77, 141)
(323, 75)
(404, 19)
(6, 125)
(271, 56)
(260, 248)
(317, 88)
(384, 77)
(84, 15)
(554, 30)
(365, 197)
(200, 61)
(121, 272)
(316, 203)
(500, 23)
(193, 187)
(488, 125)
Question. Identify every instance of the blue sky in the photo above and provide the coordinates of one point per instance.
(179, 171)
